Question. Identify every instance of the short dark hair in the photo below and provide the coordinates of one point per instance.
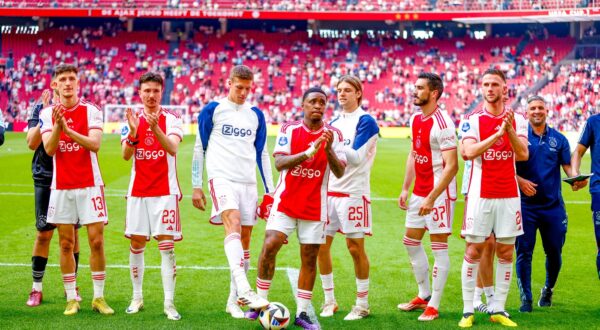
(151, 77)
(354, 82)
(313, 90)
(536, 98)
(241, 72)
(496, 72)
(64, 68)
(434, 82)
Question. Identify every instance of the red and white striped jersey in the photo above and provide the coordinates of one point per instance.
(74, 166)
(301, 192)
(493, 174)
(154, 170)
(431, 135)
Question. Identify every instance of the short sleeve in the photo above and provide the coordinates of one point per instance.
(283, 143)
(468, 130)
(96, 118)
(174, 126)
(125, 130)
(565, 150)
(46, 120)
(521, 126)
(447, 137)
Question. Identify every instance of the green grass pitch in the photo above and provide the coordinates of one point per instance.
(201, 293)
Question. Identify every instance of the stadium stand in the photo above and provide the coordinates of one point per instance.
(310, 5)
(286, 63)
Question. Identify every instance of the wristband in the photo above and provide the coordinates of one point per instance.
(131, 143)
(311, 151)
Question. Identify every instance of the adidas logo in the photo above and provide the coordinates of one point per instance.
(170, 228)
(101, 215)
(70, 121)
(357, 225)
(442, 225)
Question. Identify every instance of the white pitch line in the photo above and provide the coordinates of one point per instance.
(376, 199)
(293, 275)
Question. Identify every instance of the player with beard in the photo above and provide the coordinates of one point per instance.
(432, 164)
(494, 139)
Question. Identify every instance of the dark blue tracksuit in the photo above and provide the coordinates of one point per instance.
(590, 138)
(545, 210)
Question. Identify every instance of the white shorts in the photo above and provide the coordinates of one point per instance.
(227, 195)
(308, 231)
(439, 221)
(350, 216)
(84, 205)
(153, 216)
(484, 216)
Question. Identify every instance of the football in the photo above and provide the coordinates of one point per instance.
(276, 316)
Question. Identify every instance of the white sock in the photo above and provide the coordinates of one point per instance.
(489, 294)
(362, 292)
(262, 288)
(504, 271)
(477, 296)
(420, 265)
(232, 290)
(235, 257)
(69, 281)
(469, 280)
(232, 287)
(168, 269)
(439, 274)
(37, 286)
(98, 278)
(136, 271)
(327, 283)
(303, 299)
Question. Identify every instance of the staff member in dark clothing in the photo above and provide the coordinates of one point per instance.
(41, 168)
(541, 202)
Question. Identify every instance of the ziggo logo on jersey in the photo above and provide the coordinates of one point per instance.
(142, 154)
(498, 155)
(68, 146)
(305, 172)
(230, 130)
(420, 159)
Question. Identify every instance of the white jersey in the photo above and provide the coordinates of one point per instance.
(360, 132)
(233, 139)
(431, 136)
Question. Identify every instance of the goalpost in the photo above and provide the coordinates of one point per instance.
(114, 116)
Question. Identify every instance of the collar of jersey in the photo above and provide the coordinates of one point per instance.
(492, 115)
(73, 107)
(431, 114)
(544, 133)
(234, 105)
(351, 114)
(311, 131)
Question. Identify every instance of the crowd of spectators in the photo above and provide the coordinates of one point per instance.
(308, 5)
(285, 64)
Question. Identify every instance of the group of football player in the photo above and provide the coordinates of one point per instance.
(511, 184)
